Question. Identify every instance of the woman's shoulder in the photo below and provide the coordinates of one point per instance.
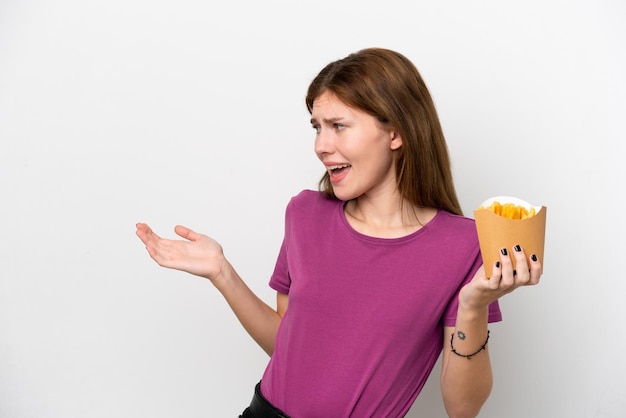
(458, 224)
(310, 198)
(311, 208)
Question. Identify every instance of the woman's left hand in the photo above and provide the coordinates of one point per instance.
(481, 290)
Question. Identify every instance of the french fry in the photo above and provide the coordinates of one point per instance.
(510, 210)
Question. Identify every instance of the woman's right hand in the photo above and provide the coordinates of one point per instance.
(196, 254)
(203, 256)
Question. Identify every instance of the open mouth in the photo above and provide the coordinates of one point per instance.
(335, 170)
(338, 172)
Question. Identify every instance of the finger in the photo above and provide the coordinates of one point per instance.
(496, 275)
(153, 252)
(153, 237)
(521, 272)
(145, 233)
(508, 277)
(184, 232)
(536, 269)
(164, 251)
(142, 228)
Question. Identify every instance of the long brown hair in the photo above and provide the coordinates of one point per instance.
(386, 85)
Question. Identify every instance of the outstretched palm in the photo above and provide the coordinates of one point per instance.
(196, 254)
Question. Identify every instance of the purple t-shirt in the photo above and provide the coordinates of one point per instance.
(364, 325)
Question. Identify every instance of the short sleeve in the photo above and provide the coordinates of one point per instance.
(449, 316)
(280, 279)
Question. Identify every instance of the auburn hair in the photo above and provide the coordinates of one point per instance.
(386, 85)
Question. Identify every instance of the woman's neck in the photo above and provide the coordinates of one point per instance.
(386, 216)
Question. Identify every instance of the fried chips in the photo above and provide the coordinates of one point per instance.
(510, 210)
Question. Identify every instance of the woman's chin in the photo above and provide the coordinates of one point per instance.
(344, 195)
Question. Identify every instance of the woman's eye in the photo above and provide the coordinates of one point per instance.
(316, 128)
(339, 126)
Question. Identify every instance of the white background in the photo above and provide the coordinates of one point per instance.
(192, 112)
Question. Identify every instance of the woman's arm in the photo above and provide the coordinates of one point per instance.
(466, 383)
(258, 319)
(466, 376)
(202, 256)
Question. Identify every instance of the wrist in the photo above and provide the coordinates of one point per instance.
(472, 313)
(472, 301)
(224, 277)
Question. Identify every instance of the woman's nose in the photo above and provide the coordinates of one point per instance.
(323, 143)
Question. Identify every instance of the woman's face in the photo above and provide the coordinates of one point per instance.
(357, 152)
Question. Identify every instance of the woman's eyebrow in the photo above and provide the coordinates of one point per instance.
(328, 120)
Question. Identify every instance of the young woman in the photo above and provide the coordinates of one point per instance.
(378, 270)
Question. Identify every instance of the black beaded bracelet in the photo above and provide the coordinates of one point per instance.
(468, 356)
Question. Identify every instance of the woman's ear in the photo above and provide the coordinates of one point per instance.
(396, 140)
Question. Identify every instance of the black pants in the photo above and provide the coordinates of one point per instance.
(261, 407)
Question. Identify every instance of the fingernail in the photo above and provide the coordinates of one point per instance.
(517, 248)
(533, 257)
(497, 264)
(504, 251)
